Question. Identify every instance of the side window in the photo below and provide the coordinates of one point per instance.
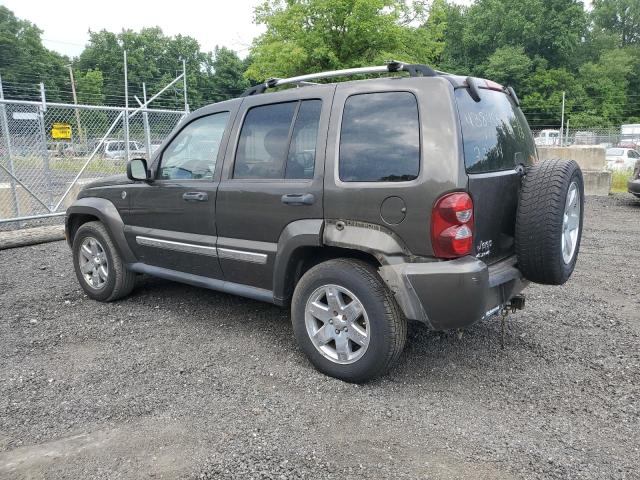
(193, 152)
(380, 138)
(301, 160)
(278, 141)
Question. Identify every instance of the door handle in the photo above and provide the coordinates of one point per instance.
(298, 199)
(195, 196)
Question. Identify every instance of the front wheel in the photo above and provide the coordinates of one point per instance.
(99, 267)
(346, 321)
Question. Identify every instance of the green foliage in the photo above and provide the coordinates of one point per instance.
(541, 47)
(228, 75)
(508, 65)
(89, 87)
(314, 35)
(24, 60)
(620, 18)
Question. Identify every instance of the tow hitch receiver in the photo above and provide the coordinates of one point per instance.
(516, 303)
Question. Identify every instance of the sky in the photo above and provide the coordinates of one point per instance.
(66, 23)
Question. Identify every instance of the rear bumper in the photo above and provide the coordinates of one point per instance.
(634, 186)
(455, 293)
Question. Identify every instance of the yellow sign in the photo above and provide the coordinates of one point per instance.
(61, 131)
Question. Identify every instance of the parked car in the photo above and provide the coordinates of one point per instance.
(634, 182)
(548, 138)
(116, 149)
(621, 158)
(360, 204)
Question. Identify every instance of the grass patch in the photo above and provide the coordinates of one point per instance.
(619, 180)
(72, 164)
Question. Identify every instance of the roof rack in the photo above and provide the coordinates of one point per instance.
(414, 70)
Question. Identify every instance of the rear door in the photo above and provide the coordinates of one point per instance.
(497, 146)
(273, 175)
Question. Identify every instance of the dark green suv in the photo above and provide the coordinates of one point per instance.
(361, 204)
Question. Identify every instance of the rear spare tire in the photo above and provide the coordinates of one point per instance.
(549, 221)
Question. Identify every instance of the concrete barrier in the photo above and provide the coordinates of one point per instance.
(592, 161)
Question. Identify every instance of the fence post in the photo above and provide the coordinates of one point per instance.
(184, 85)
(126, 110)
(562, 121)
(45, 152)
(145, 117)
(8, 153)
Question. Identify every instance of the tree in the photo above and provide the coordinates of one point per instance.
(311, 35)
(605, 83)
(551, 29)
(228, 76)
(89, 87)
(25, 62)
(152, 58)
(509, 65)
(620, 18)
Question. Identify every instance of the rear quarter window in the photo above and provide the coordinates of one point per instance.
(495, 134)
(380, 138)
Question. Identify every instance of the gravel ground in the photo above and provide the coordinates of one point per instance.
(181, 382)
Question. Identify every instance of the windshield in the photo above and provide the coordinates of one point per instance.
(495, 133)
(615, 152)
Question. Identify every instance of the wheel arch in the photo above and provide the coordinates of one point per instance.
(306, 243)
(98, 209)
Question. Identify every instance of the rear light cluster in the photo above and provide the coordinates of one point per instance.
(452, 225)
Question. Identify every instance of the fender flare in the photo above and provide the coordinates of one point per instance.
(108, 214)
(296, 235)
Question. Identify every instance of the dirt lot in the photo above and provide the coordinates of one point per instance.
(181, 382)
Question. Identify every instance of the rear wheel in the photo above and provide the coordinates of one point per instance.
(549, 221)
(99, 268)
(346, 320)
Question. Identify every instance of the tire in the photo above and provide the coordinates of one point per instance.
(541, 226)
(118, 281)
(384, 326)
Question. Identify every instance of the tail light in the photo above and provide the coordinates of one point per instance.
(452, 225)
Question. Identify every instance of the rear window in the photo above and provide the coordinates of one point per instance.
(495, 134)
(615, 152)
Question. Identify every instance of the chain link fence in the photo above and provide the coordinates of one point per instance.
(49, 151)
(626, 136)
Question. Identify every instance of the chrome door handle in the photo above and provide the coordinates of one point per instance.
(195, 196)
(298, 199)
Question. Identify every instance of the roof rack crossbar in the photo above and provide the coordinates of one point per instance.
(393, 66)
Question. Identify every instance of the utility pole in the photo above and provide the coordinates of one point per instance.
(75, 101)
(562, 122)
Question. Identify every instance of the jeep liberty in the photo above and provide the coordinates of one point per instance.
(415, 195)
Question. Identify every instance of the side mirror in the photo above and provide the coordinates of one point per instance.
(137, 169)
